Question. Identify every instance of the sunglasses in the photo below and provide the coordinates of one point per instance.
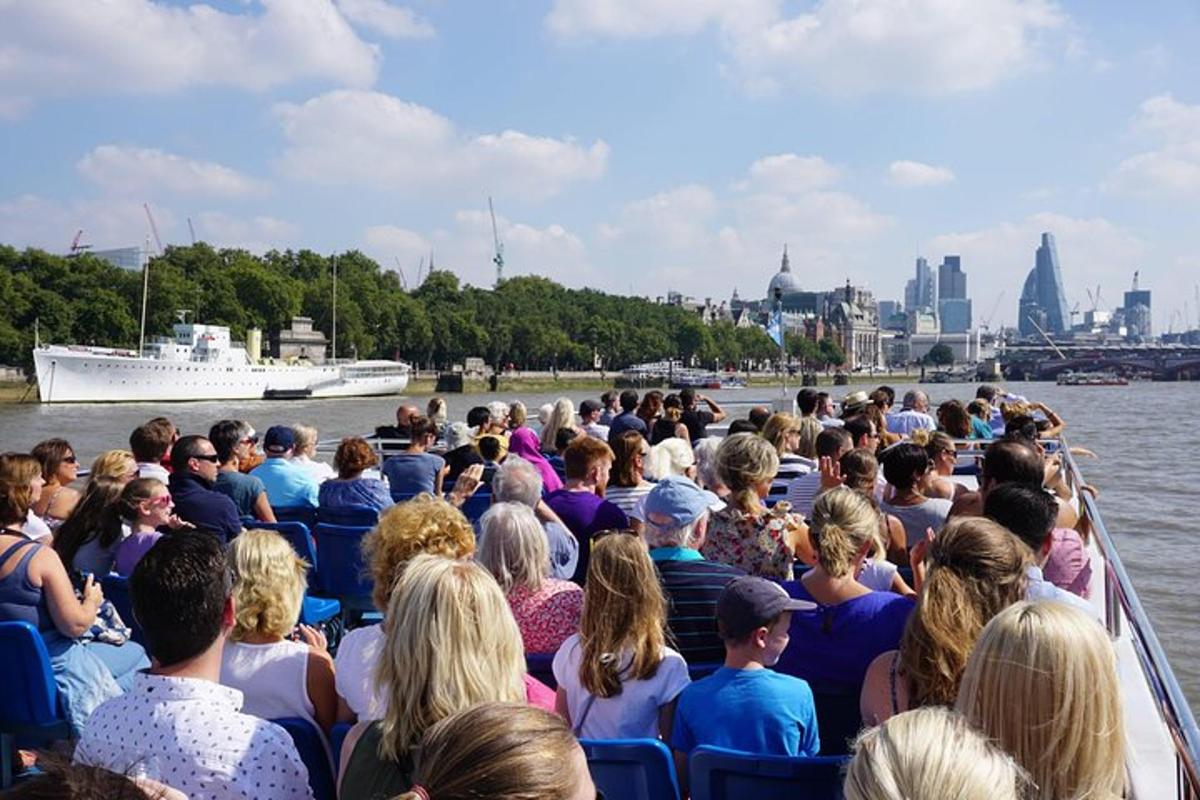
(250, 440)
(213, 457)
(162, 501)
(71, 460)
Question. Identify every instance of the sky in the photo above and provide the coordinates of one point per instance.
(633, 146)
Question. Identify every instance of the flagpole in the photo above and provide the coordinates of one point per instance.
(782, 342)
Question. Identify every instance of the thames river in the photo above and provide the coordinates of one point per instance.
(1147, 470)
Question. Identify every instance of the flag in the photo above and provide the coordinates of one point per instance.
(775, 327)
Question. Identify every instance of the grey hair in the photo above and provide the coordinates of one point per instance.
(912, 396)
(517, 481)
(513, 547)
(706, 462)
(657, 535)
(498, 409)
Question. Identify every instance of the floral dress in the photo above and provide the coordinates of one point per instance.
(756, 543)
(548, 616)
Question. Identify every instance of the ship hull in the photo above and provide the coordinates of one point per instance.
(69, 376)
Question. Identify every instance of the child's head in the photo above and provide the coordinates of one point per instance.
(489, 448)
(753, 616)
(145, 500)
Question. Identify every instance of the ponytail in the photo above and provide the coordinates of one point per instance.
(842, 521)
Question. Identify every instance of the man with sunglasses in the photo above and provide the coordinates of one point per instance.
(194, 466)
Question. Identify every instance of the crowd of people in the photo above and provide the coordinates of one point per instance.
(677, 585)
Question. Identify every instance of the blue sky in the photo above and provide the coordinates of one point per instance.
(630, 145)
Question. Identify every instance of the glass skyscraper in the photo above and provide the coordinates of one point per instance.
(1043, 303)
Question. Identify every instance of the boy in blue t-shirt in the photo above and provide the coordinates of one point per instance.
(744, 706)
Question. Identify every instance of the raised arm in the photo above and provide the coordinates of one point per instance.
(717, 412)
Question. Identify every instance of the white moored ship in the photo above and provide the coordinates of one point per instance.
(201, 363)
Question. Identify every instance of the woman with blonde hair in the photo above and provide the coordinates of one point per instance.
(976, 569)
(782, 432)
(305, 452)
(422, 525)
(513, 548)
(617, 678)
(931, 754)
(834, 643)
(436, 411)
(746, 534)
(501, 751)
(1042, 683)
(117, 464)
(562, 415)
(450, 643)
(260, 658)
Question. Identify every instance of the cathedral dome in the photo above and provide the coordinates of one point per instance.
(784, 280)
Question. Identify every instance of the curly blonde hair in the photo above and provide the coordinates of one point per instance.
(268, 584)
(424, 524)
(976, 570)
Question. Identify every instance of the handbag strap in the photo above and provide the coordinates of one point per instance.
(577, 728)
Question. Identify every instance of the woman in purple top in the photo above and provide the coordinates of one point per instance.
(524, 442)
(834, 644)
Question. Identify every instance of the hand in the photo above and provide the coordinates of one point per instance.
(1092, 490)
(175, 523)
(916, 558)
(467, 484)
(92, 593)
(313, 637)
(831, 473)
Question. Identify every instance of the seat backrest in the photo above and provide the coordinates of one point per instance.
(476, 505)
(116, 590)
(339, 548)
(305, 514)
(541, 666)
(715, 773)
(31, 698)
(311, 746)
(337, 737)
(839, 717)
(632, 769)
(348, 515)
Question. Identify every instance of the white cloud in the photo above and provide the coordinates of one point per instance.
(789, 173)
(1173, 169)
(59, 47)
(842, 46)
(135, 170)
(395, 22)
(392, 246)
(914, 173)
(1091, 251)
(357, 137)
(677, 219)
(257, 234)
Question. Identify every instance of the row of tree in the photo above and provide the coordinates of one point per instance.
(530, 322)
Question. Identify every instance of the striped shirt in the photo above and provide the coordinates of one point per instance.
(628, 498)
(791, 466)
(692, 586)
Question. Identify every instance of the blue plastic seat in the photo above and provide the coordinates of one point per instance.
(476, 505)
(116, 590)
(343, 574)
(305, 514)
(337, 738)
(715, 773)
(29, 697)
(348, 515)
(702, 669)
(319, 609)
(632, 769)
(839, 717)
(310, 744)
(541, 666)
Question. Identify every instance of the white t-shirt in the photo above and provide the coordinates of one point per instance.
(354, 672)
(633, 714)
(878, 575)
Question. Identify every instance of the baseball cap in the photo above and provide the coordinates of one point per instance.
(279, 439)
(588, 406)
(749, 602)
(678, 500)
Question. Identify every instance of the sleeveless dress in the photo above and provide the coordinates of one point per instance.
(756, 543)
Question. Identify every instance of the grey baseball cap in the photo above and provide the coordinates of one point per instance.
(748, 603)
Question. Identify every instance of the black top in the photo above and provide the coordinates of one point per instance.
(196, 502)
(697, 421)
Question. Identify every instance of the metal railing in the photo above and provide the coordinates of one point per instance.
(1122, 606)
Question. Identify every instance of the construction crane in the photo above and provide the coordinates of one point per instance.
(400, 272)
(76, 247)
(192, 231)
(498, 258)
(986, 322)
(1074, 314)
(153, 227)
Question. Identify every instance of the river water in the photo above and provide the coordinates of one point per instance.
(1147, 470)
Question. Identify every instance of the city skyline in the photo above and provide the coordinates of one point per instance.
(630, 147)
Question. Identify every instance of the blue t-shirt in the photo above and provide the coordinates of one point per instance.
(288, 485)
(413, 473)
(832, 646)
(242, 489)
(756, 711)
(626, 421)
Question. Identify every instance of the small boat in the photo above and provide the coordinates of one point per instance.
(1070, 378)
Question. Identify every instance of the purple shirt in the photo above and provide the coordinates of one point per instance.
(585, 514)
(131, 549)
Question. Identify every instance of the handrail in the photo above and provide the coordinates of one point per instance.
(1119, 593)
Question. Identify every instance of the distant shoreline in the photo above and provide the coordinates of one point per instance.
(425, 383)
